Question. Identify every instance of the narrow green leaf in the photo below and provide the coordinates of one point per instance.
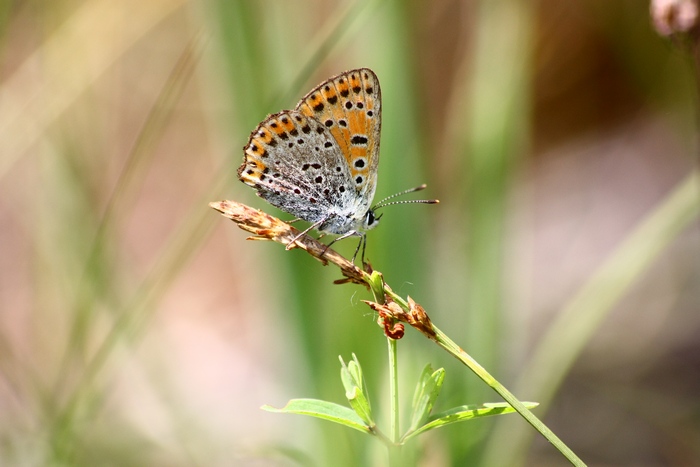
(424, 376)
(355, 389)
(346, 376)
(465, 412)
(360, 405)
(351, 374)
(427, 391)
(356, 371)
(324, 410)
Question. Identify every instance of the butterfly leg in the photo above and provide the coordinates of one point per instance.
(352, 233)
(290, 245)
(364, 245)
(358, 249)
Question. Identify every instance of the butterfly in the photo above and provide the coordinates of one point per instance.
(319, 161)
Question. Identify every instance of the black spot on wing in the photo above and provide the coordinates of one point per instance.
(359, 140)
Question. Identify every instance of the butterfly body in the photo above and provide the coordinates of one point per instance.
(319, 161)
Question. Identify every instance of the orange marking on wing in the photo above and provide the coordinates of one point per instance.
(305, 109)
(369, 102)
(340, 135)
(255, 165)
(329, 94)
(337, 111)
(357, 123)
(355, 172)
(256, 147)
(260, 143)
(277, 127)
(266, 136)
(286, 122)
(251, 170)
(316, 103)
(342, 85)
(355, 83)
(359, 151)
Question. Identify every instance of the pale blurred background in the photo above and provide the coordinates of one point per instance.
(138, 327)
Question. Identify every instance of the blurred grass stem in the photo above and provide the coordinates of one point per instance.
(121, 200)
(574, 327)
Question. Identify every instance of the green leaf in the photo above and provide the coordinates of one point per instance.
(356, 390)
(324, 410)
(360, 405)
(349, 378)
(465, 412)
(351, 374)
(425, 374)
(427, 391)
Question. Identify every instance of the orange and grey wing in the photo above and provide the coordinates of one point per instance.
(349, 106)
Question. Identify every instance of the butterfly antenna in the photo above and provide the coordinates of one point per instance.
(408, 201)
(405, 192)
(384, 203)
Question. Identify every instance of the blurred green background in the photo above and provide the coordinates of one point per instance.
(138, 327)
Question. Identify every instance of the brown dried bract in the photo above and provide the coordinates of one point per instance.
(420, 319)
(389, 319)
(392, 329)
(267, 227)
(392, 312)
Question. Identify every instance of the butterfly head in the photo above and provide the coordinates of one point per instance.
(370, 220)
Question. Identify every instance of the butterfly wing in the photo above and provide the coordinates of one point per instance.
(296, 164)
(349, 106)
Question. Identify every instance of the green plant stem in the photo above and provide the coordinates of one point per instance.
(394, 386)
(376, 283)
(447, 344)
(394, 390)
(450, 346)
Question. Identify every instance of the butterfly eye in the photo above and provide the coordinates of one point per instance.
(370, 218)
